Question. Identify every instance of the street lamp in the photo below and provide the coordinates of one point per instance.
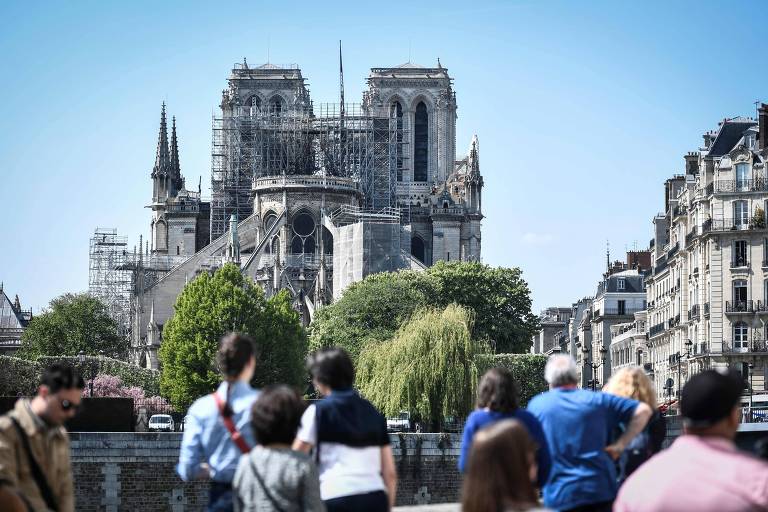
(593, 381)
(94, 370)
(751, 366)
(688, 345)
(669, 385)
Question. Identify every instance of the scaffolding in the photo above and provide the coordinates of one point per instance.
(325, 140)
(109, 280)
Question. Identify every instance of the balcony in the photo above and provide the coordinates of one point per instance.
(690, 237)
(739, 263)
(761, 307)
(695, 312)
(736, 186)
(656, 329)
(672, 251)
(619, 311)
(674, 321)
(710, 189)
(743, 306)
(722, 225)
(745, 347)
(706, 309)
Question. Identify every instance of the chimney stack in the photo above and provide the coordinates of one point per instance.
(762, 120)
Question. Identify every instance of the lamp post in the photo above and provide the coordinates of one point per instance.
(751, 367)
(687, 354)
(668, 388)
(94, 370)
(593, 381)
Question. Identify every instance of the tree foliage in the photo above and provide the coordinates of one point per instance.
(527, 370)
(73, 323)
(212, 305)
(374, 308)
(370, 310)
(428, 368)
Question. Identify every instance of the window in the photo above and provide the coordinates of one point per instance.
(740, 253)
(742, 176)
(740, 214)
(740, 337)
(740, 293)
(397, 112)
(417, 248)
(621, 284)
(276, 104)
(161, 236)
(303, 227)
(420, 143)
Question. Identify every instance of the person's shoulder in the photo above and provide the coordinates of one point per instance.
(477, 416)
(525, 416)
(202, 406)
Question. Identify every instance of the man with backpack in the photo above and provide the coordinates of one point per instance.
(34, 446)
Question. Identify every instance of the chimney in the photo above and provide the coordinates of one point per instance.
(692, 163)
(762, 120)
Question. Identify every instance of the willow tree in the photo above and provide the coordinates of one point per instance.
(428, 368)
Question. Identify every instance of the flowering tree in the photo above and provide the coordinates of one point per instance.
(112, 386)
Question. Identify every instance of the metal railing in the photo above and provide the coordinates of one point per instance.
(690, 237)
(745, 347)
(657, 329)
(743, 306)
(754, 414)
(730, 186)
(695, 312)
(739, 262)
(730, 225)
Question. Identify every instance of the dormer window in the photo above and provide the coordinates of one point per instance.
(621, 284)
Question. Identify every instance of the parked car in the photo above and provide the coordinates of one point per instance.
(400, 424)
(161, 423)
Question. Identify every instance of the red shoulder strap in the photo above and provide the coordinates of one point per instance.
(237, 438)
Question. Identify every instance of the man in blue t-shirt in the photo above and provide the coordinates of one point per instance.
(577, 423)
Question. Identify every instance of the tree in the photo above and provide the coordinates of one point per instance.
(499, 297)
(73, 323)
(428, 368)
(206, 309)
(758, 219)
(370, 310)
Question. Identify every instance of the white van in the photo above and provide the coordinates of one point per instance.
(161, 422)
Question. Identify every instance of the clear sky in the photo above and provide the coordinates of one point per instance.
(582, 110)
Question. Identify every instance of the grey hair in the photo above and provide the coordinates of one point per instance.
(560, 371)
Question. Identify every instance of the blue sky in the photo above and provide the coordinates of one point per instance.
(582, 110)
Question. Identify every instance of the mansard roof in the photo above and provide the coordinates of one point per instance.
(729, 135)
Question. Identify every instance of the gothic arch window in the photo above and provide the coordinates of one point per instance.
(161, 236)
(417, 248)
(420, 142)
(276, 105)
(269, 220)
(327, 241)
(303, 241)
(396, 111)
(254, 103)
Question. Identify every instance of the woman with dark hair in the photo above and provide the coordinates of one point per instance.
(357, 469)
(272, 477)
(217, 428)
(501, 470)
(497, 399)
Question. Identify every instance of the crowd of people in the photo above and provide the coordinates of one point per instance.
(570, 449)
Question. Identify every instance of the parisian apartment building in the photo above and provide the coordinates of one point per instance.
(698, 298)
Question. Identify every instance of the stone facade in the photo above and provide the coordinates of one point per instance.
(708, 293)
(127, 471)
(321, 196)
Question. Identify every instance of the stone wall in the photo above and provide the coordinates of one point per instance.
(135, 471)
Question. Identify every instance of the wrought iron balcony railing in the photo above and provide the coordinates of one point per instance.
(743, 306)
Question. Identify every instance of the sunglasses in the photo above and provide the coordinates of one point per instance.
(66, 405)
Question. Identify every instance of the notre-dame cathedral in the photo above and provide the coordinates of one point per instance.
(311, 197)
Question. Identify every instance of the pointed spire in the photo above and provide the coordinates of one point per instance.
(341, 83)
(474, 155)
(17, 303)
(175, 167)
(162, 158)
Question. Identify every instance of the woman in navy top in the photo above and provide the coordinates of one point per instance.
(497, 399)
(357, 469)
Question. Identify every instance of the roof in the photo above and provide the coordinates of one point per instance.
(410, 65)
(729, 135)
(9, 317)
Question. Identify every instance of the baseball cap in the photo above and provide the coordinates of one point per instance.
(710, 396)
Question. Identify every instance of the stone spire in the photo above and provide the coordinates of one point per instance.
(162, 156)
(233, 244)
(474, 155)
(177, 180)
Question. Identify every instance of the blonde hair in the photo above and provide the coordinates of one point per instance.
(632, 382)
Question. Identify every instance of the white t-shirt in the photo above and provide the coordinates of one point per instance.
(344, 470)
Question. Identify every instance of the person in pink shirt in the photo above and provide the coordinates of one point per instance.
(702, 470)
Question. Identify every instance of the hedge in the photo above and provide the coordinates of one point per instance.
(22, 375)
(527, 369)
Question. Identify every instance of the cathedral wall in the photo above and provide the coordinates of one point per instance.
(181, 236)
(446, 240)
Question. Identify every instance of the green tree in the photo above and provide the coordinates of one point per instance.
(73, 323)
(370, 310)
(499, 297)
(212, 305)
(428, 368)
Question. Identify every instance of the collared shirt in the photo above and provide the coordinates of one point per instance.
(576, 423)
(206, 439)
(697, 473)
(50, 448)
